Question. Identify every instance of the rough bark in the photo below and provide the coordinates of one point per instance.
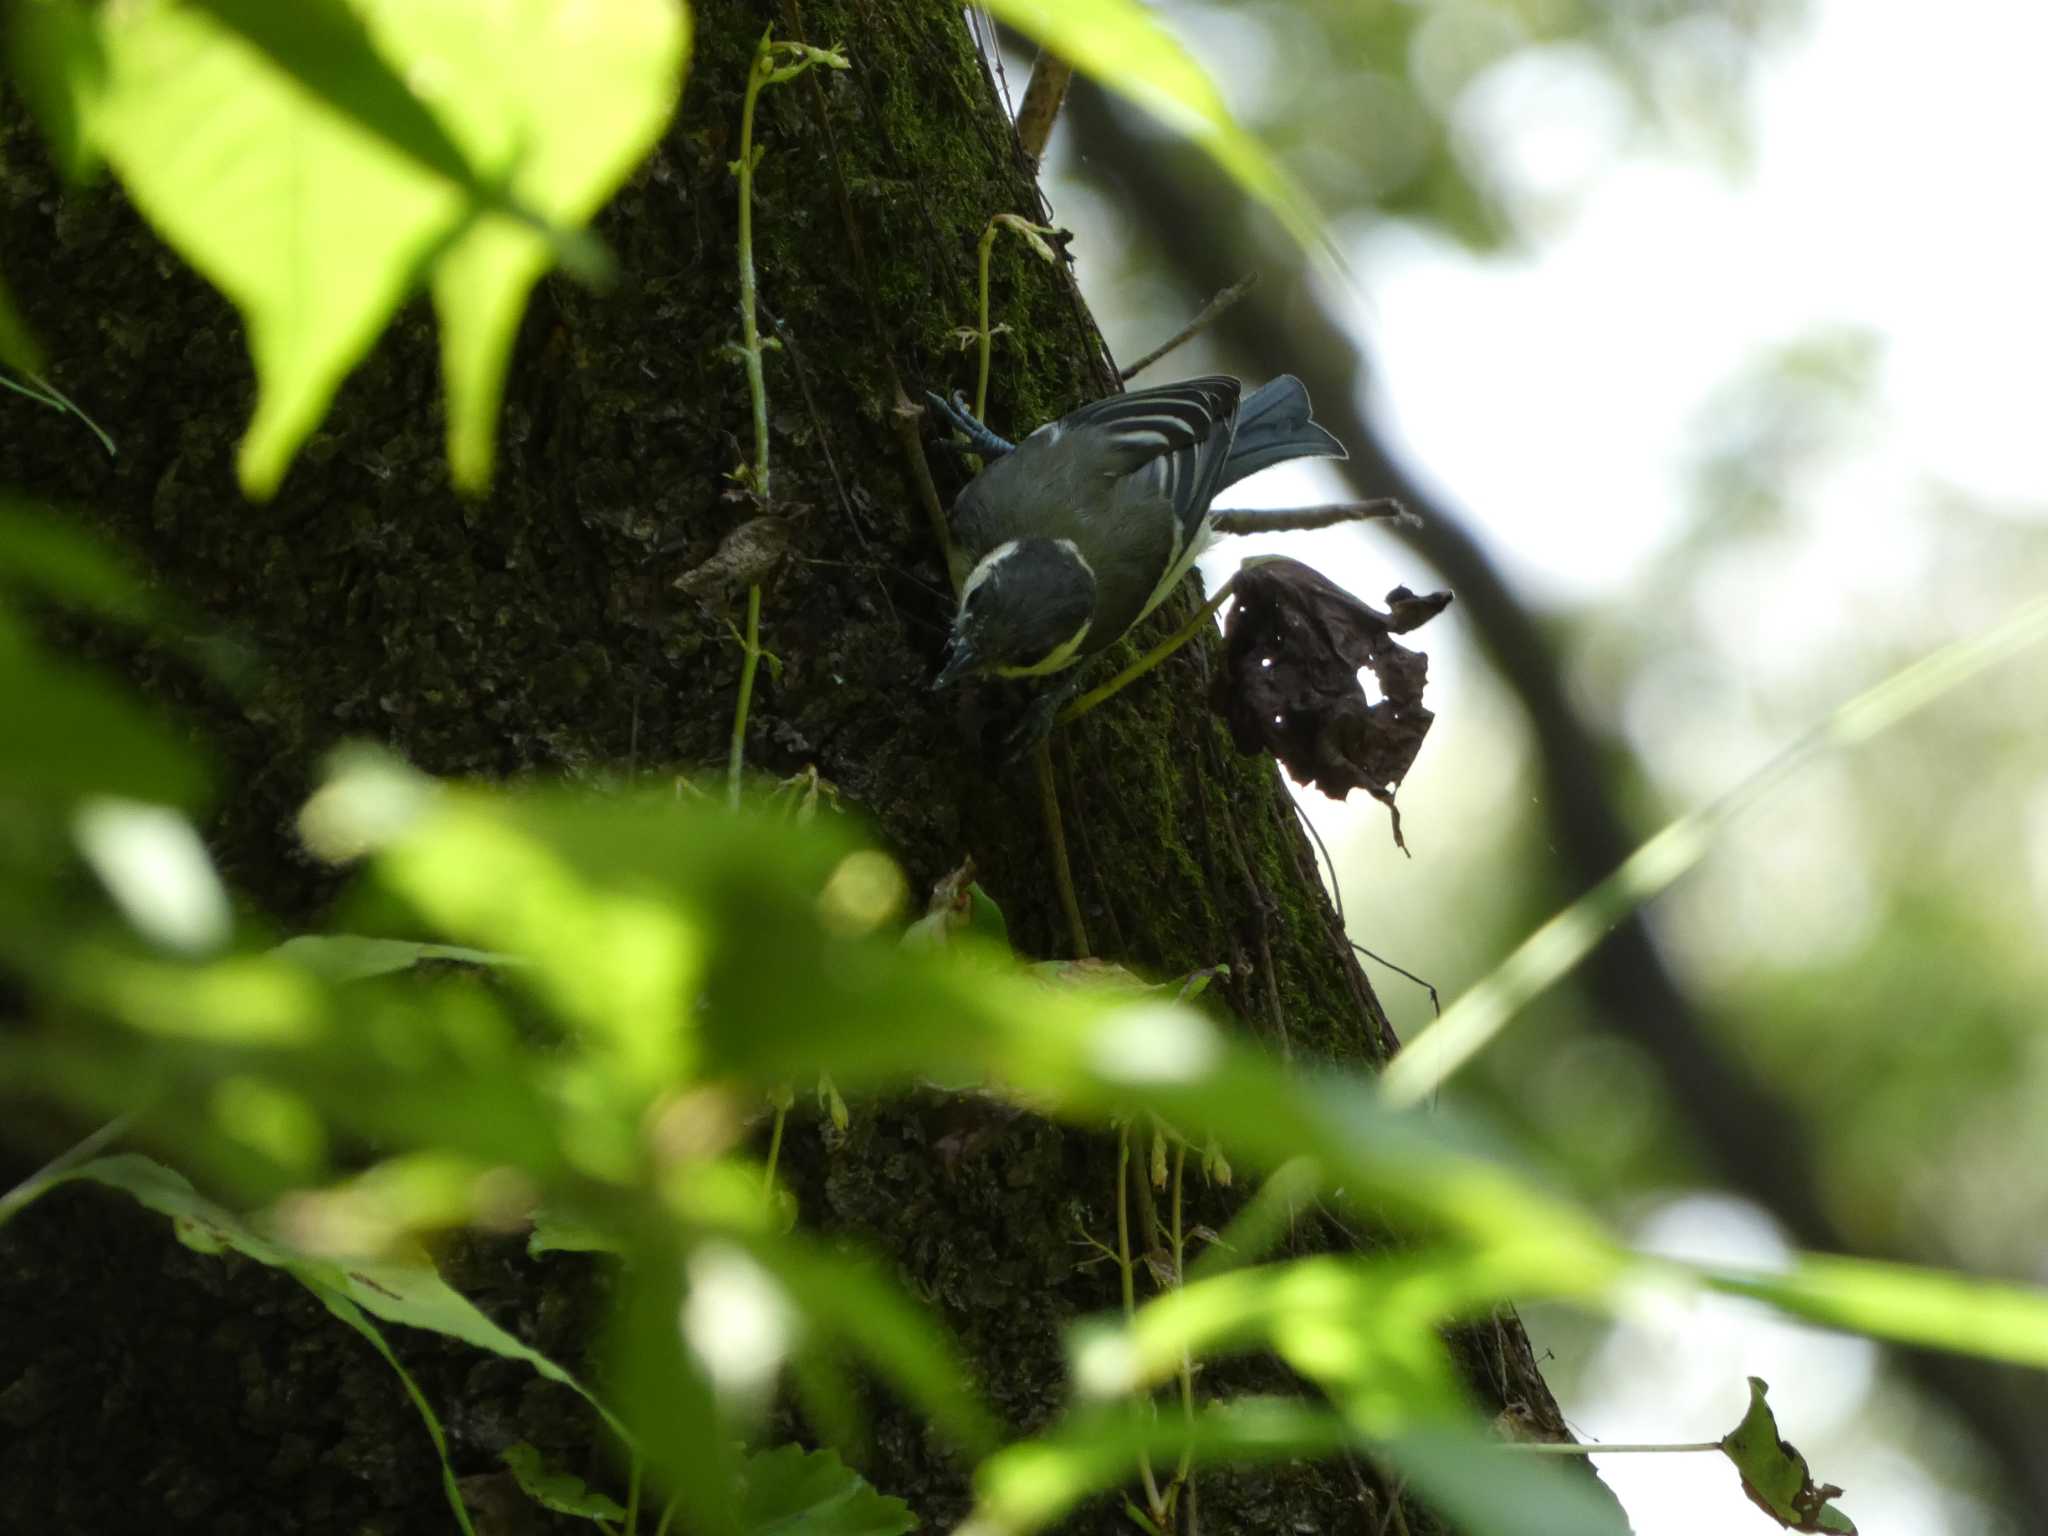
(536, 633)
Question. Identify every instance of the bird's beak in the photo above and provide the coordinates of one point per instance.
(960, 660)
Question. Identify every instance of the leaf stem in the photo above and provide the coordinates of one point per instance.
(758, 75)
(1569, 1448)
(1148, 661)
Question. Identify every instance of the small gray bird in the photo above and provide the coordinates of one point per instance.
(1083, 528)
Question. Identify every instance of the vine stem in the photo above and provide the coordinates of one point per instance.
(750, 663)
(757, 389)
(1125, 1267)
(1187, 1367)
(986, 337)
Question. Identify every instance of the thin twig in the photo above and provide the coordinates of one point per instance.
(1323, 515)
(1336, 890)
(46, 393)
(1043, 97)
(1211, 311)
(1436, 1006)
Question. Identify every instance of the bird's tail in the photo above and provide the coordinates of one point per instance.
(1274, 425)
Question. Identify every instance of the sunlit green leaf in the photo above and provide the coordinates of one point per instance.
(1029, 1485)
(566, 99)
(353, 957)
(60, 67)
(1930, 1307)
(314, 161)
(1125, 47)
(619, 962)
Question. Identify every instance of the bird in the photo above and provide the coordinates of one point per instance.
(1073, 535)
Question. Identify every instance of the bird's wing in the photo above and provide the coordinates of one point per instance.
(1172, 443)
(1132, 429)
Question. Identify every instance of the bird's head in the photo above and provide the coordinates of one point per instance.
(1024, 612)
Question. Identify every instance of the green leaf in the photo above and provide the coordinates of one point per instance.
(351, 1314)
(1030, 1484)
(353, 957)
(204, 1226)
(57, 560)
(1489, 1490)
(17, 347)
(852, 1301)
(1486, 1489)
(554, 1232)
(60, 67)
(562, 1492)
(323, 46)
(287, 153)
(412, 1294)
(70, 733)
(1930, 1307)
(1774, 1475)
(568, 98)
(1124, 47)
(789, 1491)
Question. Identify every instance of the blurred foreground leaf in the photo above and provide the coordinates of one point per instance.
(789, 1491)
(1930, 1307)
(1126, 48)
(313, 160)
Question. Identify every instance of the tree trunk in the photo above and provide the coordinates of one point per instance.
(538, 633)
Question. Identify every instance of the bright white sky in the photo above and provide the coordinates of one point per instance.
(1896, 187)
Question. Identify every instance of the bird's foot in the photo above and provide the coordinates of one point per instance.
(1037, 720)
(980, 438)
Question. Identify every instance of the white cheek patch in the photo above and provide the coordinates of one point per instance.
(980, 573)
